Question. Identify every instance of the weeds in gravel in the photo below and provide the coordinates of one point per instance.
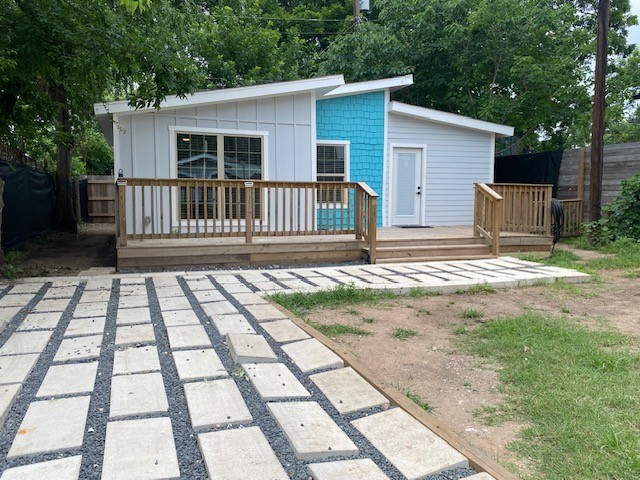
(574, 389)
(471, 313)
(403, 333)
(417, 399)
(335, 329)
(303, 303)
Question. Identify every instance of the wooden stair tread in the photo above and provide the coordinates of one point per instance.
(435, 258)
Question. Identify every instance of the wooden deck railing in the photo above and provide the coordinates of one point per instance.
(195, 208)
(487, 216)
(572, 217)
(526, 208)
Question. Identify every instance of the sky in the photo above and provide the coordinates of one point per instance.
(634, 32)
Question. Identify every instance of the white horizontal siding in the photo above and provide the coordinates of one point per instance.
(456, 159)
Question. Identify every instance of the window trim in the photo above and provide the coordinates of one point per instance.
(347, 155)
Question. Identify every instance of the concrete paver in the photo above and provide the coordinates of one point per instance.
(68, 379)
(51, 426)
(310, 355)
(410, 446)
(132, 316)
(216, 403)
(310, 431)
(40, 321)
(135, 334)
(245, 348)
(133, 301)
(16, 368)
(197, 364)
(136, 360)
(240, 454)
(348, 391)
(141, 449)
(79, 348)
(284, 331)
(274, 381)
(347, 470)
(60, 292)
(8, 394)
(136, 394)
(16, 300)
(174, 303)
(52, 305)
(180, 318)
(480, 476)
(206, 296)
(95, 295)
(233, 323)
(59, 469)
(249, 299)
(265, 312)
(26, 342)
(95, 309)
(85, 326)
(169, 291)
(190, 336)
(219, 308)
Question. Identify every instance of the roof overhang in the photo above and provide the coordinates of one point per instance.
(320, 85)
(391, 84)
(461, 121)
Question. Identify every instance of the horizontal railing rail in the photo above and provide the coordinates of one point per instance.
(487, 216)
(526, 208)
(200, 208)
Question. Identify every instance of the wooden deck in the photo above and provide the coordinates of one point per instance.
(393, 245)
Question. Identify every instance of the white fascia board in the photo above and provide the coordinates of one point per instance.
(450, 119)
(371, 86)
(321, 85)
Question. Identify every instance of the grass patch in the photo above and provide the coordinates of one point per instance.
(419, 292)
(459, 330)
(303, 303)
(575, 389)
(11, 268)
(368, 320)
(336, 329)
(570, 288)
(632, 274)
(625, 255)
(417, 399)
(478, 288)
(471, 313)
(403, 333)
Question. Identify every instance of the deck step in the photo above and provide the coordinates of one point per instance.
(410, 252)
(435, 258)
(427, 242)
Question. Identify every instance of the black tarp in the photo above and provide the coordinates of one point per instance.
(84, 199)
(28, 203)
(541, 167)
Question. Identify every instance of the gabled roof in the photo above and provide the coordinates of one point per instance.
(321, 85)
(449, 119)
(371, 86)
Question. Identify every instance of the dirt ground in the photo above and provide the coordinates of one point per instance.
(458, 386)
(55, 253)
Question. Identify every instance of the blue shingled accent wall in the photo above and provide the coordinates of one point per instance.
(359, 119)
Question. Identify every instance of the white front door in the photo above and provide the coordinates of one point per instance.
(406, 188)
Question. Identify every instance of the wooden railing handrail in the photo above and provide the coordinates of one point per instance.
(487, 217)
(367, 189)
(487, 190)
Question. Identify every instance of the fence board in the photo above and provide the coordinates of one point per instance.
(101, 197)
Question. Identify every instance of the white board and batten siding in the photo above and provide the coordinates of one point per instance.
(456, 159)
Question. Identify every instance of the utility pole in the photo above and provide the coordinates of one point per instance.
(356, 15)
(597, 119)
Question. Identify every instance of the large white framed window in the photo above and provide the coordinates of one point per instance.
(332, 160)
(212, 154)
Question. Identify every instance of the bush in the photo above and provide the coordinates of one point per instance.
(622, 217)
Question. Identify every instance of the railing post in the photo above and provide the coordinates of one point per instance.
(359, 193)
(122, 212)
(248, 218)
(548, 193)
(476, 210)
(372, 228)
(495, 230)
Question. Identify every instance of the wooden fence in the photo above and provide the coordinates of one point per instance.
(101, 199)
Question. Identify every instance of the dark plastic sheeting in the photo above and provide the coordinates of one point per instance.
(28, 204)
(529, 168)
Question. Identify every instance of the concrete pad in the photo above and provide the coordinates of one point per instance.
(30, 287)
(190, 336)
(240, 454)
(265, 312)
(51, 305)
(246, 348)
(141, 450)
(59, 469)
(311, 355)
(310, 431)
(16, 300)
(200, 285)
(98, 284)
(410, 446)
(169, 291)
(85, 326)
(347, 470)
(133, 290)
(274, 381)
(174, 303)
(16, 368)
(237, 288)
(51, 426)
(79, 348)
(40, 321)
(284, 331)
(135, 334)
(133, 301)
(195, 364)
(249, 299)
(137, 394)
(133, 316)
(95, 309)
(234, 323)
(95, 296)
(206, 296)
(136, 360)
(69, 379)
(219, 308)
(60, 292)
(8, 394)
(216, 403)
(26, 342)
(348, 391)
(180, 318)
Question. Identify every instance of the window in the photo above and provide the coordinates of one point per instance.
(217, 156)
(332, 160)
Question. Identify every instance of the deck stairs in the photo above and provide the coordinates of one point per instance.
(429, 250)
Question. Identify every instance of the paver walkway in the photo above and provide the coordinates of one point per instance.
(195, 375)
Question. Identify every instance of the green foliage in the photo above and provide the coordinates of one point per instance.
(574, 389)
(403, 333)
(335, 329)
(471, 313)
(417, 399)
(93, 152)
(10, 268)
(478, 288)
